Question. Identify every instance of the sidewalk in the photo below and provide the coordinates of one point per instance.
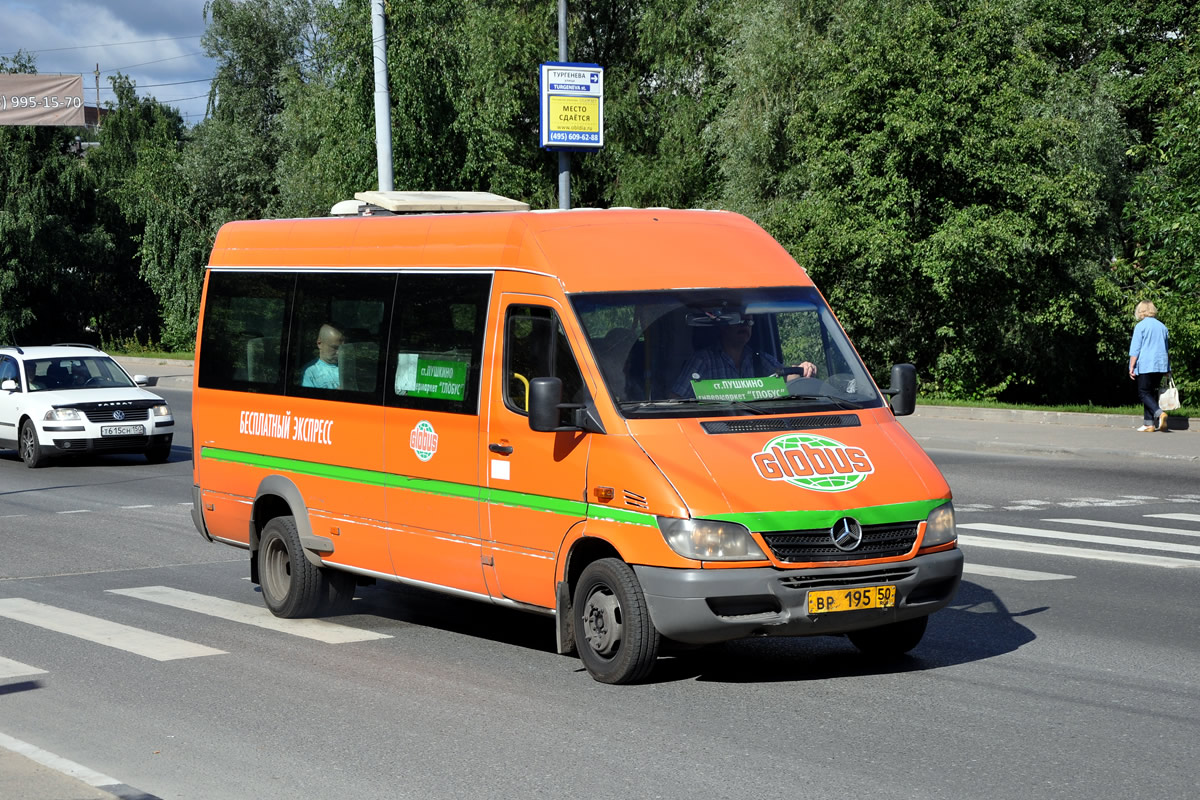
(1051, 433)
(167, 372)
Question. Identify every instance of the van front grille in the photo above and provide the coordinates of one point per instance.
(879, 541)
(773, 424)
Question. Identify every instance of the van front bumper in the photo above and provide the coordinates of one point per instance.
(703, 606)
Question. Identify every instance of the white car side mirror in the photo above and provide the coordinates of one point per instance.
(8, 386)
(141, 380)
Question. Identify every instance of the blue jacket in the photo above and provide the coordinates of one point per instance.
(1149, 344)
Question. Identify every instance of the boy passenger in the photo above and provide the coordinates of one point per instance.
(323, 372)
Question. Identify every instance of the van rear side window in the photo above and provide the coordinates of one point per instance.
(245, 330)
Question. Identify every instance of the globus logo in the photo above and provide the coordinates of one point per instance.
(423, 440)
(813, 462)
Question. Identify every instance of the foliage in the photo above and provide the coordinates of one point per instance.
(941, 175)
(981, 187)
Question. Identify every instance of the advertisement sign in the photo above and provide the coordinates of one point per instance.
(572, 106)
(41, 100)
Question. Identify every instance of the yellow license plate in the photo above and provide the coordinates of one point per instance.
(851, 599)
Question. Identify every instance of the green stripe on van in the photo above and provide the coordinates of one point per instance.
(768, 521)
(503, 497)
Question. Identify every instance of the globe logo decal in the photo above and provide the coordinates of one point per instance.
(423, 440)
(813, 462)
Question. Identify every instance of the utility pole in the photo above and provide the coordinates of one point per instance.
(564, 158)
(383, 105)
(97, 95)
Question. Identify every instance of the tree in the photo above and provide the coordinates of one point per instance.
(945, 179)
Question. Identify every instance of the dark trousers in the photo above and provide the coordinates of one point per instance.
(1147, 385)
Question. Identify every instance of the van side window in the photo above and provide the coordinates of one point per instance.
(245, 327)
(339, 336)
(536, 346)
(437, 342)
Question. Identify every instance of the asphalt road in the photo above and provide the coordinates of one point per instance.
(1068, 666)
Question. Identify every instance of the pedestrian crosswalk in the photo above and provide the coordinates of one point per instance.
(1170, 546)
(153, 645)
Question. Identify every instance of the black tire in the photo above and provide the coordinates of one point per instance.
(30, 448)
(291, 586)
(615, 638)
(160, 451)
(890, 641)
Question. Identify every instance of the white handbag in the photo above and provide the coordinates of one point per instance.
(1168, 399)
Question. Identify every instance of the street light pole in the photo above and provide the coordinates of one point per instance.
(383, 112)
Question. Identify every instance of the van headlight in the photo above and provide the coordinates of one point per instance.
(161, 411)
(939, 526)
(62, 414)
(710, 540)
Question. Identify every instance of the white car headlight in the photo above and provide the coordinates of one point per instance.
(62, 414)
(710, 540)
(939, 526)
(161, 411)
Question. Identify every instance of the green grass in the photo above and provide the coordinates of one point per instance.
(1129, 410)
(150, 354)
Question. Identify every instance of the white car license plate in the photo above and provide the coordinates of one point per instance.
(122, 430)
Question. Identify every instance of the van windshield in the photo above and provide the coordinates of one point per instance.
(705, 352)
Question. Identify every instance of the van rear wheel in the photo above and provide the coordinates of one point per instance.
(291, 586)
(614, 635)
(890, 641)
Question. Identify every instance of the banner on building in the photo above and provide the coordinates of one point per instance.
(41, 100)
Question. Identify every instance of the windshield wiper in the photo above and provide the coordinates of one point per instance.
(840, 402)
(678, 401)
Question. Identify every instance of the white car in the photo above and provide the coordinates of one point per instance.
(73, 398)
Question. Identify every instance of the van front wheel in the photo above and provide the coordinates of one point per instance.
(291, 586)
(890, 641)
(615, 638)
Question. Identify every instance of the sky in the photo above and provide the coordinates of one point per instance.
(155, 42)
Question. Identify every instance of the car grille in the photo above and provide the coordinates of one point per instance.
(134, 410)
(879, 541)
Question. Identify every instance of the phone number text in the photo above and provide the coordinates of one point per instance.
(8, 102)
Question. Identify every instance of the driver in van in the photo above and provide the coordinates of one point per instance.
(323, 373)
(730, 358)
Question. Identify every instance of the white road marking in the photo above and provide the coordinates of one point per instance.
(1116, 541)
(101, 631)
(15, 669)
(1015, 574)
(1180, 517)
(1079, 552)
(57, 763)
(76, 511)
(258, 616)
(145, 506)
(1103, 523)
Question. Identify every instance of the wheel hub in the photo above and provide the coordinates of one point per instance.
(602, 623)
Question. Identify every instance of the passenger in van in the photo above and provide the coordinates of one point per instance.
(322, 373)
(730, 358)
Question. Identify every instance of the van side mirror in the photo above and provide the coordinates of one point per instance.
(902, 393)
(546, 407)
(545, 394)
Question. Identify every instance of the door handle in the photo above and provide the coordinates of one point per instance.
(502, 449)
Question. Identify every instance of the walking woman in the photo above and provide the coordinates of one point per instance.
(1148, 362)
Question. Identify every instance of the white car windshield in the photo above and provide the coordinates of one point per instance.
(723, 351)
(74, 372)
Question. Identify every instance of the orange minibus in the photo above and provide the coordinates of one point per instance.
(646, 423)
